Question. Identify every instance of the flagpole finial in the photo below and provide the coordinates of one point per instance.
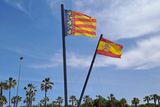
(101, 35)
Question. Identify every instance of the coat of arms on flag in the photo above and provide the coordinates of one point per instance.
(79, 24)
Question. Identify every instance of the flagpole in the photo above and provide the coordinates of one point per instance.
(19, 74)
(88, 75)
(64, 56)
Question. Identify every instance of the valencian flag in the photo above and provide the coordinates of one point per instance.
(109, 48)
(79, 24)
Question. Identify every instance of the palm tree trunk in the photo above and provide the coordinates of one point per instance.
(1, 91)
(27, 105)
(135, 104)
(98, 103)
(1, 105)
(1, 94)
(31, 103)
(59, 104)
(9, 97)
(72, 103)
(112, 105)
(45, 103)
(155, 102)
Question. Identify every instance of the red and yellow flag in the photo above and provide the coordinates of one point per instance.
(79, 24)
(109, 48)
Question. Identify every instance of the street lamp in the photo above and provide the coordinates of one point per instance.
(19, 74)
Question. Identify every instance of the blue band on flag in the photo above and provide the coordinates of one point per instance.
(68, 22)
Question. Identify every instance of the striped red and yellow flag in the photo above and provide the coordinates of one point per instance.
(109, 48)
(79, 24)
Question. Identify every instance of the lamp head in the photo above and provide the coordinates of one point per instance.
(21, 58)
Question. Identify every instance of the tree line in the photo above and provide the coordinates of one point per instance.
(30, 92)
(46, 85)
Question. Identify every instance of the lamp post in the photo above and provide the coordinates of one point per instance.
(19, 74)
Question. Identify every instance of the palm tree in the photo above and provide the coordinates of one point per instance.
(16, 99)
(100, 101)
(45, 86)
(59, 101)
(73, 100)
(135, 101)
(26, 100)
(30, 94)
(54, 103)
(43, 101)
(112, 100)
(154, 98)
(158, 98)
(11, 83)
(123, 102)
(3, 100)
(87, 101)
(147, 99)
(2, 87)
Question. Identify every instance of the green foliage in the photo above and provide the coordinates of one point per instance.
(15, 99)
(88, 102)
(10, 83)
(43, 101)
(99, 101)
(148, 105)
(30, 94)
(3, 100)
(154, 97)
(143, 105)
(73, 100)
(135, 101)
(47, 85)
(59, 101)
(122, 102)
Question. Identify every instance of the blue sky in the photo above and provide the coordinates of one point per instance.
(32, 29)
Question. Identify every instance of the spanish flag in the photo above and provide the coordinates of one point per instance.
(109, 48)
(79, 24)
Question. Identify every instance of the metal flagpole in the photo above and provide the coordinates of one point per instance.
(64, 56)
(21, 58)
(88, 75)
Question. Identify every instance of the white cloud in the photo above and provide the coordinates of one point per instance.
(51, 3)
(123, 18)
(120, 19)
(72, 60)
(78, 61)
(55, 4)
(144, 54)
(56, 60)
(22, 5)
